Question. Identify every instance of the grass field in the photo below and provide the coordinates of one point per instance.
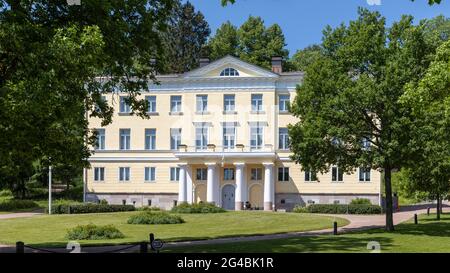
(50, 230)
(429, 236)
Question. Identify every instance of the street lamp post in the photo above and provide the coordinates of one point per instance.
(49, 189)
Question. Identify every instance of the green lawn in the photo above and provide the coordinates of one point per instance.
(429, 236)
(50, 230)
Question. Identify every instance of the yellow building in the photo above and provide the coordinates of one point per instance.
(216, 134)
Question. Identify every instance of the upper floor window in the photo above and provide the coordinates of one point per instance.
(151, 104)
(257, 101)
(229, 72)
(283, 139)
(124, 174)
(283, 103)
(336, 174)
(228, 174)
(365, 143)
(310, 176)
(256, 137)
(202, 103)
(364, 174)
(175, 104)
(99, 174)
(175, 138)
(229, 103)
(256, 174)
(229, 137)
(150, 139)
(100, 143)
(201, 137)
(124, 105)
(124, 139)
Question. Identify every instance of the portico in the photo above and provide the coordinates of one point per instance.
(231, 179)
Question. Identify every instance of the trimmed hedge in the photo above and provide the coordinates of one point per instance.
(342, 209)
(197, 208)
(360, 201)
(11, 205)
(154, 218)
(89, 208)
(93, 232)
(147, 208)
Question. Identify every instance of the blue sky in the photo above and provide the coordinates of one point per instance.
(302, 21)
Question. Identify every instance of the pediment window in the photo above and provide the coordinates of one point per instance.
(229, 72)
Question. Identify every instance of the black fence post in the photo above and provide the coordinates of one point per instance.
(20, 247)
(415, 219)
(144, 247)
(428, 211)
(335, 227)
(152, 238)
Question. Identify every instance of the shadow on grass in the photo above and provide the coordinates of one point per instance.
(307, 244)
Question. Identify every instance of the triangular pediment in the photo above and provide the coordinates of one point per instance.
(214, 69)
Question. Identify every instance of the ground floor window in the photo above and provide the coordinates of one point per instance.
(124, 174)
(202, 174)
(337, 174)
(283, 174)
(228, 174)
(256, 174)
(149, 174)
(174, 174)
(364, 174)
(99, 174)
(310, 176)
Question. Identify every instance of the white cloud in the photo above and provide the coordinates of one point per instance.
(374, 2)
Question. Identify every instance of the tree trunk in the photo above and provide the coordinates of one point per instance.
(438, 207)
(388, 203)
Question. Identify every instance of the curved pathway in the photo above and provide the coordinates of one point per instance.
(357, 222)
(18, 215)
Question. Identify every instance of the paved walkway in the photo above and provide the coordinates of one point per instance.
(357, 222)
(18, 215)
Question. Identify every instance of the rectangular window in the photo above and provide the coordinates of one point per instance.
(202, 174)
(124, 105)
(100, 143)
(174, 174)
(364, 174)
(283, 103)
(125, 139)
(151, 104)
(202, 103)
(256, 174)
(283, 139)
(283, 174)
(228, 174)
(257, 100)
(229, 137)
(365, 144)
(310, 176)
(256, 137)
(150, 139)
(124, 174)
(175, 138)
(229, 103)
(201, 138)
(175, 104)
(99, 174)
(336, 174)
(149, 174)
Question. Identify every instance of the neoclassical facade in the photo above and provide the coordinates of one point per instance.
(215, 134)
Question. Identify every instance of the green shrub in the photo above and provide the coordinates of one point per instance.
(300, 209)
(147, 208)
(89, 208)
(344, 209)
(154, 218)
(6, 193)
(197, 208)
(103, 202)
(13, 204)
(93, 232)
(360, 201)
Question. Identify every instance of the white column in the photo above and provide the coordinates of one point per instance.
(182, 187)
(269, 186)
(189, 186)
(211, 184)
(241, 185)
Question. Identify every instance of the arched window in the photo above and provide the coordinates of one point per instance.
(229, 72)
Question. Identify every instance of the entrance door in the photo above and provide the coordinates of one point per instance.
(228, 197)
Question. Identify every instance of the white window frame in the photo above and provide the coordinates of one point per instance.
(124, 139)
(124, 174)
(310, 175)
(203, 174)
(339, 173)
(257, 103)
(124, 107)
(202, 146)
(229, 103)
(258, 174)
(174, 171)
(175, 138)
(283, 139)
(256, 147)
(101, 138)
(99, 174)
(227, 136)
(366, 175)
(283, 103)
(176, 105)
(201, 105)
(150, 139)
(226, 173)
(149, 174)
(151, 104)
(284, 178)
